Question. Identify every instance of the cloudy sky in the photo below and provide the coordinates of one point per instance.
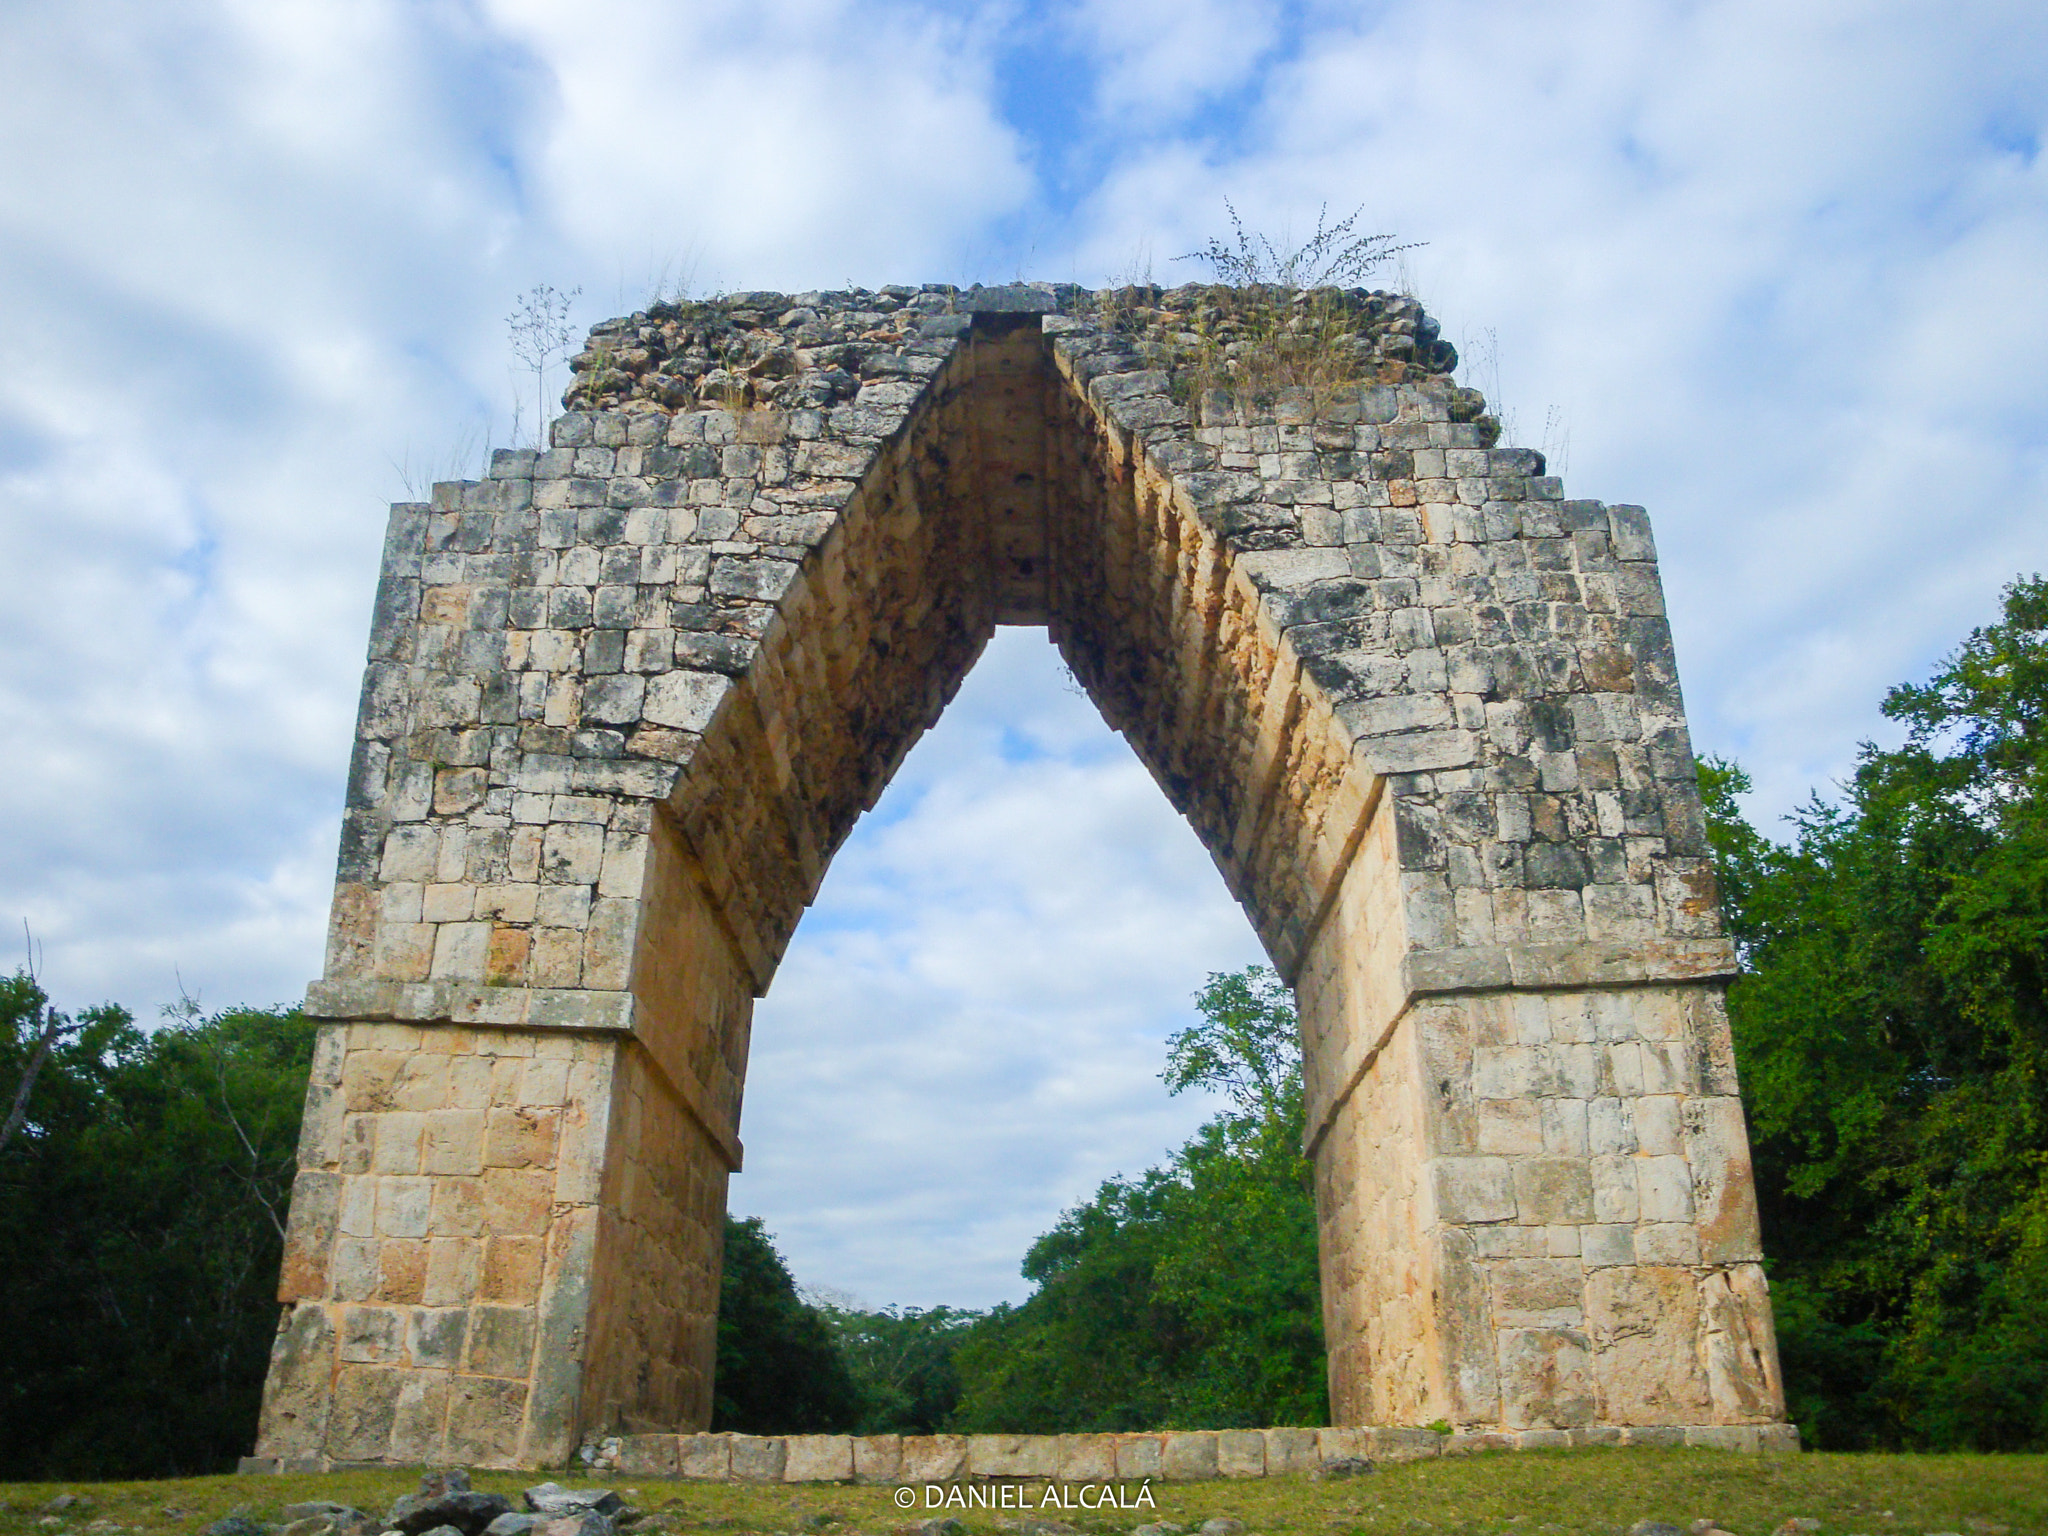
(1777, 269)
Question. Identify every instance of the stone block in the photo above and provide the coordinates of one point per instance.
(365, 1410)
(1716, 1146)
(1188, 1455)
(356, 1268)
(1474, 1189)
(1087, 1458)
(1343, 1444)
(1602, 1246)
(817, 1459)
(1643, 1323)
(1290, 1451)
(298, 1394)
(1546, 1378)
(1610, 1126)
(1398, 1444)
(1241, 1453)
(1667, 1242)
(1724, 1437)
(1659, 1125)
(934, 1458)
(501, 1341)
(1778, 1439)
(1536, 1292)
(1663, 1437)
(877, 1458)
(758, 1458)
(486, 1421)
(1614, 1189)
(435, 1335)
(1510, 1127)
(704, 1458)
(453, 1142)
(1012, 1455)
(1139, 1457)
(1664, 1188)
(372, 1335)
(522, 1136)
(1475, 1442)
(1550, 1190)
(309, 1235)
(512, 1270)
(648, 1456)
(1743, 1378)
(419, 1423)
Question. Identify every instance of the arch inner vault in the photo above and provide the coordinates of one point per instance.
(626, 696)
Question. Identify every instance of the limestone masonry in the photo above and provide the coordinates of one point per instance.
(626, 696)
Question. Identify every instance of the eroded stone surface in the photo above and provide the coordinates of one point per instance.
(626, 696)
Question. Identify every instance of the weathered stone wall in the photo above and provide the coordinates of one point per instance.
(440, 1250)
(653, 1324)
(627, 696)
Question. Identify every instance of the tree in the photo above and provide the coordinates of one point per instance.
(779, 1368)
(1186, 1297)
(901, 1360)
(139, 1237)
(1892, 1032)
(1247, 1047)
(35, 1029)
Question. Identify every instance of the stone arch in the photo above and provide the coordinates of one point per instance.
(627, 696)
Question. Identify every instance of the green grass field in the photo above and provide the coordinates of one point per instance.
(1563, 1491)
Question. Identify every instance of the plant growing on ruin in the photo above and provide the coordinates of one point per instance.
(1335, 256)
(540, 333)
(1284, 318)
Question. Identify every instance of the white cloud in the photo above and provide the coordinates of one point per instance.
(1157, 61)
(794, 143)
(1778, 264)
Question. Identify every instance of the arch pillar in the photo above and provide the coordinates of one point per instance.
(626, 697)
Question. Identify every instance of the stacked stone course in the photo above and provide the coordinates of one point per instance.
(1180, 1456)
(626, 697)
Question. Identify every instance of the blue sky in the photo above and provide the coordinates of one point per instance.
(1774, 270)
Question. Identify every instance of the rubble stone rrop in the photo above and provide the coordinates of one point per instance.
(816, 350)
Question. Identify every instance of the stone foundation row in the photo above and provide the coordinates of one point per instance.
(1169, 1456)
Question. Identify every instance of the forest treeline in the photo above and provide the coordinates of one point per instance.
(1891, 1027)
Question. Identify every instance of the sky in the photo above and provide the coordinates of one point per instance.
(1777, 271)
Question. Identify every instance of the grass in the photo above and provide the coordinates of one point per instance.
(1604, 1491)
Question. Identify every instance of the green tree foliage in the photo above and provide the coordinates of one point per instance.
(1186, 1297)
(141, 1216)
(902, 1365)
(1892, 1033)
(780, 1371)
